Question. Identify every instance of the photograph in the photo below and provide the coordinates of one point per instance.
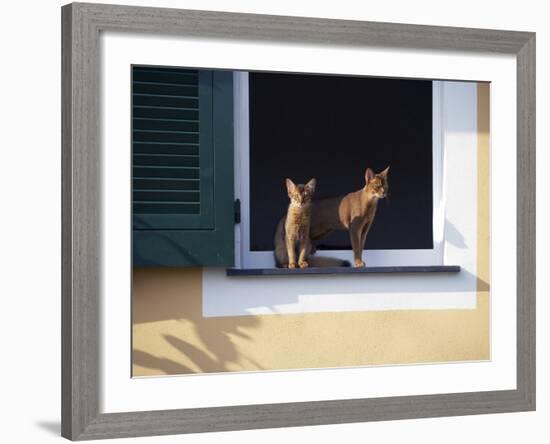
(283, 220)
(293, 221)
(262, 222)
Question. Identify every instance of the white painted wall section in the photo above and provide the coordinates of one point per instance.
(255, 295)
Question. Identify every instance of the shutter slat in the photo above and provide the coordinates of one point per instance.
(177, 126)
(167, 94)
(190, 82)
(189, 144)
(141, 72)
(177, 173)
(182, 131)
(166, 112)
(164, 101)
(171, 196)
(165, 137)
(169, 193)
(137, 119)
(165, 69)
(167, 167)
(164, 208)
(165, 160)
(161, 107)
(166, 155)
(165, 183)
(151, 148)
(164, 89)
(170, 126)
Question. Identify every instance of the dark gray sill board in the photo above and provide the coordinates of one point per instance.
(341, 270)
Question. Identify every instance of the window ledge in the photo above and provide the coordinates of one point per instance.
(342, 270)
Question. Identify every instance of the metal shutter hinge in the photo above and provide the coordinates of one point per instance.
(237, 211)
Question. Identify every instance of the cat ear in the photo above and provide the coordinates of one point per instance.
(369, 174)
(311, 185)
(290, 186)
(384, 173)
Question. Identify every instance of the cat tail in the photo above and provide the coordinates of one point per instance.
(322, 261)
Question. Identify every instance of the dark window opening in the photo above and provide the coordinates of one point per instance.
(333, 128)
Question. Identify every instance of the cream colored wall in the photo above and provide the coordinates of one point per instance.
(170, 335)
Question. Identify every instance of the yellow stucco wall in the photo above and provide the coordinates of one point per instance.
(170, 335)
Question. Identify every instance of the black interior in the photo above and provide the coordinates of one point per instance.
(333, 128)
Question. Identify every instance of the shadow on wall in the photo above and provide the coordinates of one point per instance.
(193, 343)
(164, 365)
(455, 238)
(453, 235)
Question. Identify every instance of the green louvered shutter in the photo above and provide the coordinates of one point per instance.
(182, 167)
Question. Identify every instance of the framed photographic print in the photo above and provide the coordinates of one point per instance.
(278, 221)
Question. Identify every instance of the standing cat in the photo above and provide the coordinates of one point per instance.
(353, 212)
(293, 230)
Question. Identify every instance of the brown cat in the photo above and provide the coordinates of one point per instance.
(293, 229)
(353, 212)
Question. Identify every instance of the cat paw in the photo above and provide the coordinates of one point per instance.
(303, 264)
(292, 265)
(359, 263)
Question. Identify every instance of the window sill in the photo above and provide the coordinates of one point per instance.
(342, 270)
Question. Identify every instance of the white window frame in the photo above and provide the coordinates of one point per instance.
(245, 258)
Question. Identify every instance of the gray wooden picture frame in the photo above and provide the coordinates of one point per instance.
(81, 172)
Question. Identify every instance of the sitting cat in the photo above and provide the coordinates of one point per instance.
(293, 229)
(353, 212)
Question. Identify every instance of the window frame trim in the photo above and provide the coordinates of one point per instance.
(246, 258)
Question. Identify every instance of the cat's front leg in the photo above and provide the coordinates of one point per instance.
(304, 251)
(290, 248)
(355, 238)
(363, 239)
